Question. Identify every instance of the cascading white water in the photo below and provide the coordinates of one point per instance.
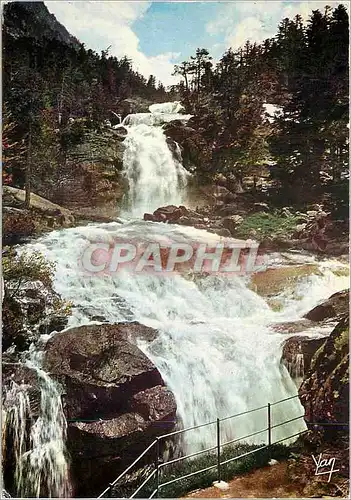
(37, 442)
(155, 176)
(215, 349)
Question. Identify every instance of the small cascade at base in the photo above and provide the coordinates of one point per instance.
(34, 439)
(155, 175)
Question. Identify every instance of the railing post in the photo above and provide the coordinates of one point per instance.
(110, 490)
(269, 417)
(157, 456)
(218, 450)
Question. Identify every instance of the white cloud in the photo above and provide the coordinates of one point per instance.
(100, 24)
(256, 21)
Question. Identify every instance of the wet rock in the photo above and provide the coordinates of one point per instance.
(178, 131)
(337, 248)
(19, 224)
(114, 398)
(324, 392)
(149, 217)
(154, 404)
(273, 281)
(298, 353)
(14, 332)
(195, 150)
(100, 367)
(132, 105)
(170, 213)
(334, 307)
(22, 375)
(190, 221)
(221, 231)
(297, 326)
(120, 132)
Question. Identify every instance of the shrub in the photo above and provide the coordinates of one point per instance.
(265, 225)
(30, 305)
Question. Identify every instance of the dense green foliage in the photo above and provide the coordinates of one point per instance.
(303, 71)
(265, 225)
(49, 80)
(56, 92)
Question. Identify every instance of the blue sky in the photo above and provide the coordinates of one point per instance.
(174, 27)
(157, 35)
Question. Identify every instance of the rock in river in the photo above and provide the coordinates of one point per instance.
(114, 398)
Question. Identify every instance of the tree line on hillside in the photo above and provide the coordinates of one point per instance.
(303, 71)
(49, 81)
(55, 91)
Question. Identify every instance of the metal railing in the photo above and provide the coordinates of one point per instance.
(158, 465)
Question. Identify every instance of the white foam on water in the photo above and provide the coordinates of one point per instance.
(215, 348)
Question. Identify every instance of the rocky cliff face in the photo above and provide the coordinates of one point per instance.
(324, 392)
(33, 19)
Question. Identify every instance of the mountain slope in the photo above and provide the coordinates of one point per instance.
(33, 19)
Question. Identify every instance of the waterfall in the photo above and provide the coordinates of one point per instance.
(35, 443)
(155, 176)
(296, 368)
(215, 349)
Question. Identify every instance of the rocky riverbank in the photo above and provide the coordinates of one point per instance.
(114, 398)
(241, 216)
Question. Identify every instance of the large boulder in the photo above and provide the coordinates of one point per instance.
(273, 281)
(336, 306)
(20, 223)
(171, 213)
(324, 392)
(114, 398)
(13, 197)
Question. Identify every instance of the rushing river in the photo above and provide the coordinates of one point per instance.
(216, 348)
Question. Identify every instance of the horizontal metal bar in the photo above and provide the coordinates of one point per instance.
(328, 423)
(286, 399)
(143, 484)
(287, 422)
(244, 455)
(244, 437)
(128, 468)
(243, 413)
(187, 429)
(289, 437)
(188, 475)
(187, 456)
(213, 422)
(181, 431)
